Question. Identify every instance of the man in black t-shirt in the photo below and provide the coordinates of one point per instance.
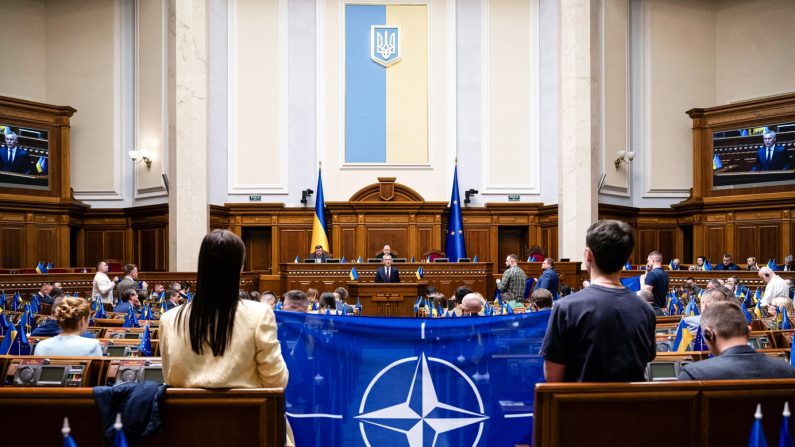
(656, 280)
(604, 333)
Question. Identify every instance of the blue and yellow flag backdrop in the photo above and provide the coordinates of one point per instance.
(386, 83)
(319, 235)
(407, 381)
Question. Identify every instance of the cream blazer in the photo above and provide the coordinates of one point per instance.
(253, 358)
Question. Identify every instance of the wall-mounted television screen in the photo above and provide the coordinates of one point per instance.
(754, 156)
(24, 157)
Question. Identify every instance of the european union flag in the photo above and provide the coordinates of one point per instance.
(343, 260)
(454, 245)
(632, 283)
(748, 316)
(475, 259)
(119, 439)
(627, 266)
(354, 275)
(8, 338)
(20, 345)
(784, 436)
(145, 347)
(100, 313)
(16, 302)
(772, 264)
(407, 381)
(297, 259)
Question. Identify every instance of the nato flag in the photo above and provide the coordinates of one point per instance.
(454, 243)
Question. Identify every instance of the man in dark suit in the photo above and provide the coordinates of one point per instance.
(318, 255)
(12, 157)
(44, 294)
(130, 281)
(128, 301)
(771, 156)
(549, 278)
(387, 250)
(725, 331)
(387, 273)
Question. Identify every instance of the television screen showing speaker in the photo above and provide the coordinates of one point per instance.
(753, 156)
(24, 157)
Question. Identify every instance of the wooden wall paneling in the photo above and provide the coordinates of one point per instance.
(666, 241)
(512, 240)
(12, 246)
(347, 243)
(478, 243)
(95, 246)
(425, 240)
(647, 242)
(293, 242)
(145, 249)
(769, 244)
(716, 243)
(747, 242)
(46, 241)
(396, 238)
(258, 248)
(115, 243)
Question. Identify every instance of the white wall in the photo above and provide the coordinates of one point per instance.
(23, 38)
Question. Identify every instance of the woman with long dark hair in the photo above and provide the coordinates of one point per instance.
(218, 340)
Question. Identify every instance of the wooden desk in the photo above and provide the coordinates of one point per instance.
(445, 276)
(713, 413)
(387, 299)
(193, 417)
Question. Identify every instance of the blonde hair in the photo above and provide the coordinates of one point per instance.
(786, 304)
(70, 312)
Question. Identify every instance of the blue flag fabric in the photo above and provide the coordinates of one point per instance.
(784, 436)
(20, 345)
(405, 381)
(772, 264)
(454, 245)
(632, 283)
(16, 302)
(145, 347)
(757, 438)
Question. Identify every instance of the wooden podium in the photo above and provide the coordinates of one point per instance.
(387, 299)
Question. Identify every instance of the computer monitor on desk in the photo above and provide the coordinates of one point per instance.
(441, 260)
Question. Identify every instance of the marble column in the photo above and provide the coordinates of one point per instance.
(579, 124)
(188, 208)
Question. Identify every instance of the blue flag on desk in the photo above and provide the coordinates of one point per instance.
(406, 381)
(454, 246)
(632, 283)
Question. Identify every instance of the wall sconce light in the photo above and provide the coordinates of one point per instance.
(141, 156)
(304, 194)
(469, 193)
(624, 157)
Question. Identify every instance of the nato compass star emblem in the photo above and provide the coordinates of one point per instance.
(422, 417)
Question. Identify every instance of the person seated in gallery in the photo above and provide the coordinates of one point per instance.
(295, 301)
(460, 293)
(751, 265)
(727, 263)
(172, 300)
(318, 256)
(328, 304)
(387, 250)
(128, 302)
(541, 299)
(788, 264)
(700, 263)
(44, 294)
(647, 296)
(71, 315)
(472, 305)
(725, 331)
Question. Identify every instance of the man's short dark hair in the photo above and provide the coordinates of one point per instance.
(550, 261)
(343, 292)
(726, 319)
(460, 293)
(127, 294)
(611, 242)
(295, 299)
(717, 294)
(714, 283)
(56, 292)
(318, 246)
(513, 256)
(542, 298)
(128, 269)
(327, 299)
(243, 295)
(656, 256)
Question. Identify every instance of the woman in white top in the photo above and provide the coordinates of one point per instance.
(72, 317)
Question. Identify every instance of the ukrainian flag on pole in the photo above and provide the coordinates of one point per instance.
(319, 235)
